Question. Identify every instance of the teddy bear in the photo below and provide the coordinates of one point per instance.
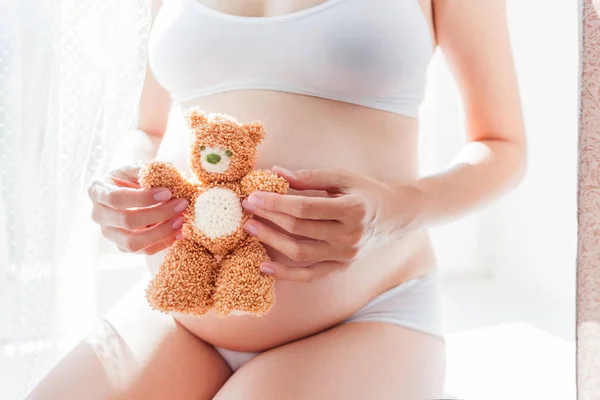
(215, 263)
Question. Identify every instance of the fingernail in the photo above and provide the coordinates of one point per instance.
(162, 195)
(177, 223)
(247, 206)
(178, 236)
(250, 228)
(266, 269)
(181, 206)
(286, 172)
(255, 199)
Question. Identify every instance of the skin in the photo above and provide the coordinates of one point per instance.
(359, 227)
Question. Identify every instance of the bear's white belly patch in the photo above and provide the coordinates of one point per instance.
(218, 212)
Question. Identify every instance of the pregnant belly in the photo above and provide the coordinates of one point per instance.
(299, 311)
(305, 132)
(304, 309)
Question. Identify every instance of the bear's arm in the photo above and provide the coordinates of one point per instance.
(265, 181)
(165, 174)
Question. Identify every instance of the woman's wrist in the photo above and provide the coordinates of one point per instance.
(416, 204)
(408, 206)
(483, 172)
(430, 201)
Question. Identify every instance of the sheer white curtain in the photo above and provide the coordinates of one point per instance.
(70, 78)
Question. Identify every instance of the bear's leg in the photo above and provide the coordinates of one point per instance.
(241, 287)
(185, 281)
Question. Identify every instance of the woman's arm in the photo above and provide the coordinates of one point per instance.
(153, 113)
(475, 40)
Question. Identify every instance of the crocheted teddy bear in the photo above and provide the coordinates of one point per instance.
(216, 262)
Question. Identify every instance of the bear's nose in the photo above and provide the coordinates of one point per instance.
(213, 158)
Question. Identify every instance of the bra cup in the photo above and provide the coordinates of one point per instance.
(374, 54)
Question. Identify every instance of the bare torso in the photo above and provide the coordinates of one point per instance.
(308, 132)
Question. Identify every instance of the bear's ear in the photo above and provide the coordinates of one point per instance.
(195, 118)
(256, 131)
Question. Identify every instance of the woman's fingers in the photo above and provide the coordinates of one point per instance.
(122, 198)
(134, 241)
(302, 274)
(318, 208)
(336, 224)
(331, 180)
(120, 189)
(138, 218)
(298, 250)
(160, 246)
(333, 232)
(347, 209)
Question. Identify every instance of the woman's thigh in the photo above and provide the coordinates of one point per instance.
(136, 353)
(363, 360)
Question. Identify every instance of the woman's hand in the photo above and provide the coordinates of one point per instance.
(137, 220)
(326, 234)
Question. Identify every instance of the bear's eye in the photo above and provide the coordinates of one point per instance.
(229, 153)
(202, 148)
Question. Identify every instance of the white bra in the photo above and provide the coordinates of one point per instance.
(373, 53)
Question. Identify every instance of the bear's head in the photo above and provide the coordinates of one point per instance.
(223, 150)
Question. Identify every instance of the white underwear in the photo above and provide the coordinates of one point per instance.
(414, 304)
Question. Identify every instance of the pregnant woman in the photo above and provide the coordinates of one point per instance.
(338, 85)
